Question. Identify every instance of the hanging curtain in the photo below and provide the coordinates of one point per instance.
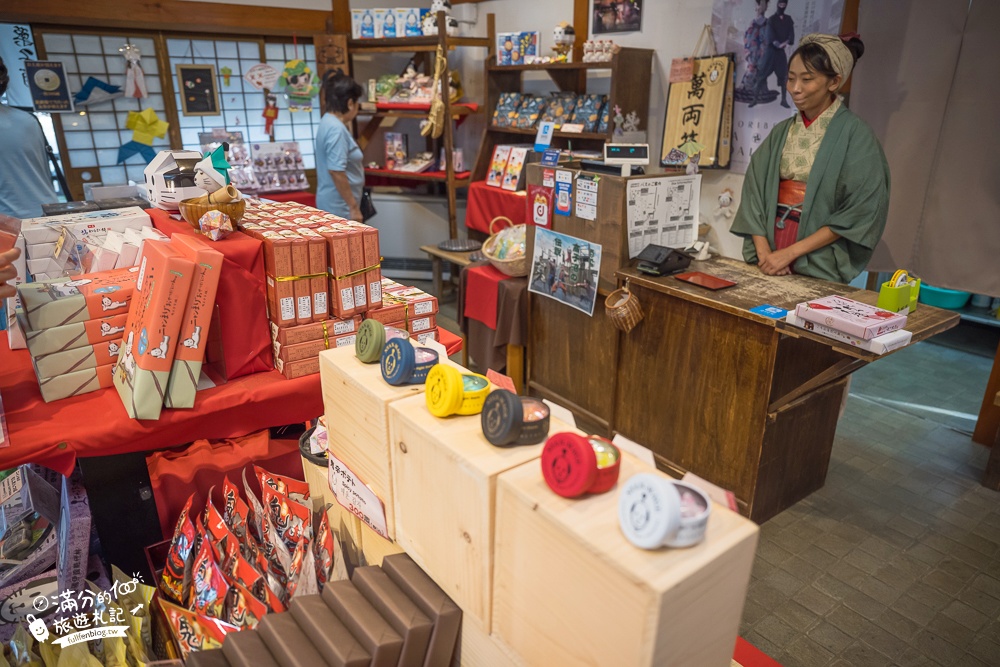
(929, 90)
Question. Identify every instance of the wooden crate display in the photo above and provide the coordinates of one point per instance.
(444, 475)
(568, 588)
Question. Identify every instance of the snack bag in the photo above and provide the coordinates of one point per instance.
(209, 587)
(21, 645)
(293, 488)
(302, 572)
(136, 597)
(292, 519)
(235, 512)
(194, 632)
(176, 572)
(324, 546)
(242, 609)
(76, 655)
(224, 542)
(262, 591)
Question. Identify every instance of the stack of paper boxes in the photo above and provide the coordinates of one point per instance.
(323, 274)
(73, 329)
(857, 324)
(408, 308)
(76, 243)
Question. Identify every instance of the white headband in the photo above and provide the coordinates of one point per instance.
(840, 56)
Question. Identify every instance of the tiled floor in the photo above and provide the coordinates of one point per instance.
(896, 561)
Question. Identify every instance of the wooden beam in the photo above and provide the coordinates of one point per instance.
(581, 24)
(341, 17)
(170, 15)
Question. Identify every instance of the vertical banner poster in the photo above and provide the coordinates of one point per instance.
(742, 27)
(17, 45)
(49, 90)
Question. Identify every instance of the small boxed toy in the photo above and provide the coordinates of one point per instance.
(408, 21)
(77, 359)
(850, 316)
(507, 43)
(15, 332)
(71, 336)
(183, 383)
(587, 111)
(315, 331)
(396, 152)
(418, 303)
(501, 154)
(143, 368)
(363, 24)
(86, 297)
(386, 26)
(527, 114)
(506, 111)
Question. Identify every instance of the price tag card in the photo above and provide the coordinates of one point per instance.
(356, 496)
(573, 128)
(543, 139)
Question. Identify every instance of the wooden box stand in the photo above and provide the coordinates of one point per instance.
(356, 401)
(568, 588)
(444, 476)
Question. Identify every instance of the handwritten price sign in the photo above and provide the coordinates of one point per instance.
(355, 496)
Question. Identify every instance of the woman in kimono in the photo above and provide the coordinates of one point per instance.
(753, 48)
(816, 194)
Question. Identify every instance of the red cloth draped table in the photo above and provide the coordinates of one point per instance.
(493, 316)
(303, 197)
(487, 202)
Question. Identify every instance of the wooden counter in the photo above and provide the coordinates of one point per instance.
(747, 402)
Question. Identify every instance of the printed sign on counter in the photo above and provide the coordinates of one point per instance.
(356, 496)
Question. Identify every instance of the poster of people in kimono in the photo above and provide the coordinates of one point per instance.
(617, 16)
(763, 34)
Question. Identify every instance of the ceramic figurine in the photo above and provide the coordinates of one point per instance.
(619, 121)
(631, 122)
(212, 172)
(429, 25)
(563, 38)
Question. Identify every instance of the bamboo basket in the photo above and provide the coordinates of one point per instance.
(623, 309)
(517, 267)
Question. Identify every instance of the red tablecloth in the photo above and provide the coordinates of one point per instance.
(486, 203)
(95, 424)
(303, 197)
(482, 283)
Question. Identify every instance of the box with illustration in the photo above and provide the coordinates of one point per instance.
(86, 297)
(71, 336)
(48, 229)
(77, 359)
(409, 20)
(193, 334)
(144, 363)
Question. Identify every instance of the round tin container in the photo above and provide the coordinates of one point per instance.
(371, 339)
(404, 364)
(511, 420)
(574, 464)
(656, 512)
(450, 392)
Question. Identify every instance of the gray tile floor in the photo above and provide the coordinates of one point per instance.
(896, 561)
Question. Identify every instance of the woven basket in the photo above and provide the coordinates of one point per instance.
(623, 309)
(517, 267)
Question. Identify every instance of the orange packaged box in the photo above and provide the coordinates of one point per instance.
(76, 383)
(343, 303)
(144, 363)
(418, 303)
(278, 267)
(77, 359)
(297, 369)
(319, 284)
(70, 336)
(315, 331)
(183, 383)
(91, 296)
(312, 348)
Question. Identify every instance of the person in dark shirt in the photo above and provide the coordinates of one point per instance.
(780, 34)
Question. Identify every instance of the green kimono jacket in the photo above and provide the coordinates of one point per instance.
(847, 191)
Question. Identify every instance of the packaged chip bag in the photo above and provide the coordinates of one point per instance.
(324, 546)
(208, 585)
(136, 598)
(224, 541)
(76, 655)
(235, 512)
(177, 571)
(293, 488)
(193, 631)
(302, 573)
(242, 609)
(292, 519)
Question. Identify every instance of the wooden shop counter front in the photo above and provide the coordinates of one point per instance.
(747, 402)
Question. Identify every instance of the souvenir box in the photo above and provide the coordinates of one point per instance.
(850, 316)
(506, 111)
(78, 334)
(48, 229)
(76, 383)
(587, 111)
(879, 344)
(151, 340)
(559, 108)
(86, 297)
(183, 383)
(527, 114)
(409, 20)
(77, 359)
(315, 331)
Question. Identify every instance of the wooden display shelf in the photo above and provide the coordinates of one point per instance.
(597, 136)
(412, 44)
(386, 108)
(434, 176)
(540, 67)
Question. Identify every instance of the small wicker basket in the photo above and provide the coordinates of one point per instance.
(623, 309)
(515, 268)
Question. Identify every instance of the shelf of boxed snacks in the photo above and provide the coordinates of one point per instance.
(415, 44)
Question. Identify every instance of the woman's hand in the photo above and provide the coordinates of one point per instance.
(777, 263)
(8, 272)
(355, 214)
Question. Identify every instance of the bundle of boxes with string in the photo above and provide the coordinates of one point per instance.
(324, 277)
(141, 327)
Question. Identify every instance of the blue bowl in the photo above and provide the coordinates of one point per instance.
(939, 297)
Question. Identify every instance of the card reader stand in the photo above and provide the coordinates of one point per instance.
(657, 260)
